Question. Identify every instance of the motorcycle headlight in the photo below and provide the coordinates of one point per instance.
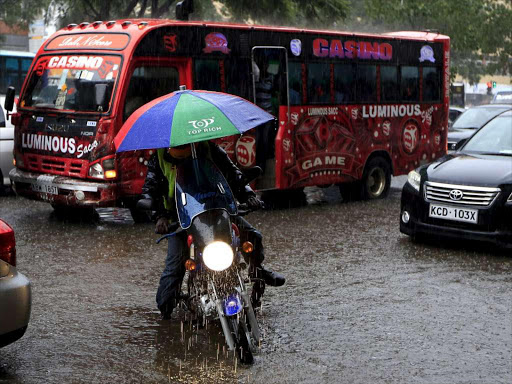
(414, 179)
(218, 256)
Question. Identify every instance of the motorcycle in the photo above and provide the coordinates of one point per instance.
(217, 282)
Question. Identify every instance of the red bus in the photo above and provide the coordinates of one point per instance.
(351, 109)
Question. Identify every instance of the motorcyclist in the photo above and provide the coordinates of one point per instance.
(159, 186)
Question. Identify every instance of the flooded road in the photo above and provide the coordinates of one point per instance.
(362, 303)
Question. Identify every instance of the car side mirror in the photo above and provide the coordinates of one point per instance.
(460, 144)
(9, 99)
(100, 93)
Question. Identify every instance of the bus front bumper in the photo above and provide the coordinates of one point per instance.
(61, 190)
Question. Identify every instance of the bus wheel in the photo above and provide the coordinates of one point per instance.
(376, 179)
(140, 217)
(279, 199)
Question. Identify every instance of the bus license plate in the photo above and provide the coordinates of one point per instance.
(453, 213)
(45, 188)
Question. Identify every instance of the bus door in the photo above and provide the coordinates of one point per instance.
(271, 93)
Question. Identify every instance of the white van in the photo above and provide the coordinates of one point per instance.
(6, 146)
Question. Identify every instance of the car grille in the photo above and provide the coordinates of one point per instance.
(56, 166)
(480, 196)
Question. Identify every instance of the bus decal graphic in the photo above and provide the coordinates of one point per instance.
(171, 42)
(373, 111)
(296, 47)
(75, 62)
(322, 147)
(216, 41)
(352, 49)
(410, 137)
(246, 151)
(91, 41)
(427, 53)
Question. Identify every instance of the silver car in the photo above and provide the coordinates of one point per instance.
(15, 292)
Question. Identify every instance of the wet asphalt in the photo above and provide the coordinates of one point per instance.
(362, 303)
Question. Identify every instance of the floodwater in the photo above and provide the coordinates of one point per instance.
(362, 303)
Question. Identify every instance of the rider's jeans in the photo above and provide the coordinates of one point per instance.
(172, 275)
(177, 252)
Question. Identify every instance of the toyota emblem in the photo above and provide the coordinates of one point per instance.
(456, 195)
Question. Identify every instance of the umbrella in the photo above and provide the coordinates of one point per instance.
(188, 116)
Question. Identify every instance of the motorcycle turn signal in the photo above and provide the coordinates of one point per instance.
(190, 265)
(247, 247)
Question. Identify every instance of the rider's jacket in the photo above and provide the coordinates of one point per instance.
(161, 176)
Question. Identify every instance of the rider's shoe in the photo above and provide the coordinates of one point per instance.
(272, 278)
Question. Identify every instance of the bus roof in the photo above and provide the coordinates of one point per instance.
(138, 27)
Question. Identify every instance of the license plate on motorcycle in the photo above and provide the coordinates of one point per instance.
(45, 188)
(447, 212)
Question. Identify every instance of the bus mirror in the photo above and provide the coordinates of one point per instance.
(9, 99)
(100, 92)
(183, 9)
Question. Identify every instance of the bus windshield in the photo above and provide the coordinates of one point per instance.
(72, 83)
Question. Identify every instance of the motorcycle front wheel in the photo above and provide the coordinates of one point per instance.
(242, 342)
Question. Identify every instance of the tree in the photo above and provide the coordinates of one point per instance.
(476, 28)
(21, 13)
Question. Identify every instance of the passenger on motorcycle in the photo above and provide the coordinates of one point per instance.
(159, 186)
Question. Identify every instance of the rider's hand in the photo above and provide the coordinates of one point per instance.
(254, 203)
(162, 226)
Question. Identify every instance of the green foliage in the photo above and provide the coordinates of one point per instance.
(320, 13)
(21, 13)
(478, 29)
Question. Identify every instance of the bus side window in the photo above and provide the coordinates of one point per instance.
(410, 84)
(295, 81)
(388, 84)
(207, 75)
(431, 84)
(148, 83)
(319, 79)
(344, 83)
(238, 78)
(366, 83)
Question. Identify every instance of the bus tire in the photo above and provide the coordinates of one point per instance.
(283, 199)
(376, 179)
(140, 217)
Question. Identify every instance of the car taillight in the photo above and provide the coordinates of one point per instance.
(7, 244)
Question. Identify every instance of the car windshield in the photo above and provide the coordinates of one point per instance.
(493, 139)
(477, 117)
(68, 82)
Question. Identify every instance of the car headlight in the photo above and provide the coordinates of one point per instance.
(509, 200)
(414, 178)
(218, 255)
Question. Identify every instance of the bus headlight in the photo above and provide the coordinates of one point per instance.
(96, 171)
(218, 256)
(414, 178)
